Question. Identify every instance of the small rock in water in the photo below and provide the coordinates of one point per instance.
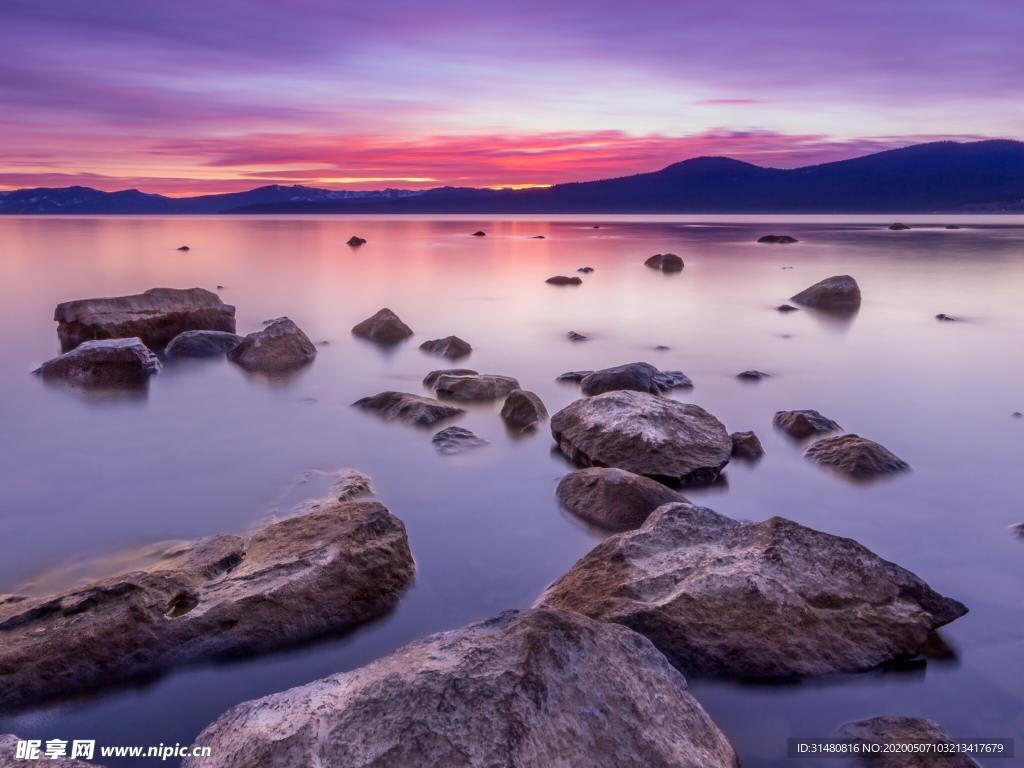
(479, 233)
(454, 440)
(595, 227)
(855, 456)
(662, 348)
(481, 386)
(639, 377)
(278, 348)
(411, 409)
(575, 336)
(585, 270)
(563, 280)
(946, 318)
(220, 287)
(746, 445)
(898, 732)
(779, 239)
(103, 363)
(523, 410)
(613, 499)
(1018, 528)
(202, 344)
(384, 327)
(898, 226)
(355, 241)
(752, 375)
(786, 307)
(537, 237)
(666, 262)
(804, 423)
(953, 226)
(839, 292)
(430, 380)
(1017, 414)
(451, 347)
(184, 248)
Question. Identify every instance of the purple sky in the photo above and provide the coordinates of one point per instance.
(186, 97)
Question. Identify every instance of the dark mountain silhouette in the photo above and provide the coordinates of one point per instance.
(983, 176)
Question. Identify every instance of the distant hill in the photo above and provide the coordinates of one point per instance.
(940, 177)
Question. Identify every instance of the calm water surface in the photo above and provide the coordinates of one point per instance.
(209, 448)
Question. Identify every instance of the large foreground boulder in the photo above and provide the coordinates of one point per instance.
(309, 575)
(114, 363)
(156, 316)
(855, 456)
(771, 600)
(383, 327)
(639, 377)
(613, 499)
(890, 730)
(804, 423)
(523, 410)
(531, 689)
(202, 344)
(412, 409)
(481, 386)
(645, 434)
(278, 348)
(839, 292)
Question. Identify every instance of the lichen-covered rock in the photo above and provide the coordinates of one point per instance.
(202, 344)
(746, 445)
(305, 576)
(383, 327)
(902, 730)
(839, 292)
(855, 456)
(113, 363)
(412, 409)
(613, 499)
(482, 386)
(454, 440)
(666, 262)
(532, 689)
(771, 600)
(804, 423)
(451, 347)
(156, 316)
(523, 410)
(278, 348)
(645, 434)
(638, 377)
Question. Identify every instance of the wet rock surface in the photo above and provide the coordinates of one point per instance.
(383, 327)
(766, 601)
(536, 689)
(451, 347)
(838, 293)
(523, 410)
(645, 434)
(746, 445)
(305, 576)
(482, 386)
(202, 344)
(279, 348)
(613, 499)
(666, 262)
(408, 408)
(855, 456)
(902, 730)
(638, 377)
(156, 316)
(454, 440)
(105, 363)
(802, 424)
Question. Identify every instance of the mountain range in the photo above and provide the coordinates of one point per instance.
(939, 177)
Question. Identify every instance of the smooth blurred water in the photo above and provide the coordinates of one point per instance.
(209, 448)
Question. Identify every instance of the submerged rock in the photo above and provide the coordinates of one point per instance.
(563, 280)
(839, 292)
(666, 262)
(523, 410)
(323, 572)
(752, 375)
(453, 440)
(898, 226)
(482, 386)
(113, 363)
(804, 423)
(778, 239)
(411, 409)
(537, 689)
(645, 434)
(855, 456)
(786, 308)
(430, 380)
(156, 316)
(902, 730)
(746, 445)
(946, 318)
(613, 499)
(576, 336)
(768, 601)
(451, 347)
(383, 327)
(202, 344)
(355, 241)
(639, 377)
(278, 348)
(479, 233)
(585, 270)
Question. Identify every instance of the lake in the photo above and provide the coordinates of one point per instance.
(208, 448)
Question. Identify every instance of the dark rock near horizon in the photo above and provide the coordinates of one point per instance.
(836, 293)
(481, 386)
(898, 226)
(411, 409)
(804, 423)
(645, 434)
(746, 445)
(202, 344)
(563, 280)
(953, 226)
(383, 327)
(451, 347)
(855, 456)
(893, 730)
(355, 241)
(639, 377)
(306, 576)
(538, 237)
(585, 270)
(666, 262)
(430, 380)
(103, 363)
(451, 441)
(184, 248)
(523, 410)
(156, 316)
(777, 239)
(281, 347)
(752, 375)
(768, 601)
(479, 233)
(611, 498)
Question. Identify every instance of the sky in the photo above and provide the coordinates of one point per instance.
(192, 97)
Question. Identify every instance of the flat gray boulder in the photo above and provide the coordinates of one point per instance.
(765, 601)
(804, 423)
(839, 292)
(310, 575)
(202, 344)
(855, 456)
(156, 316)
(639, 377)
(411, 409)
(105, 363)
(523, 410)
(613, 499)
(481, 386)
(645, 434)
(901, 730)
(278, 348)
(383, 327)
(451, 347)
(451, 441)
(535, 689)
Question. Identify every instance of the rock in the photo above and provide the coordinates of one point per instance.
(1018, 528)
(663, 348)
(576, 336)
(523, 410)
(613, 499)
(355, 241)
(384, 327)
(482, 386)
(585, 270)
(9, 754)
(412, 409)
(596, 226)
(573, 376)
(303, 577)
(643, 433)
(897, 226)
(778, 239)
(537, 237)
(953, 226)
(563, 280)
(839, 292)
(639, 377)
(430, 380)
(855, 456)
(479, 233)
(804, 423)
(905, 730)
(666, 262)
(278, 348)
(752, 375)
(156, 316)
(786, 308)
(1017, 414)
(220, 287)
(452, 440)
(763, 601)
(351, 484)
(946, 318)
(114, 363)
(184, 248)
(532, 689)
(745, 445)
(451, 347)
(202, 344)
